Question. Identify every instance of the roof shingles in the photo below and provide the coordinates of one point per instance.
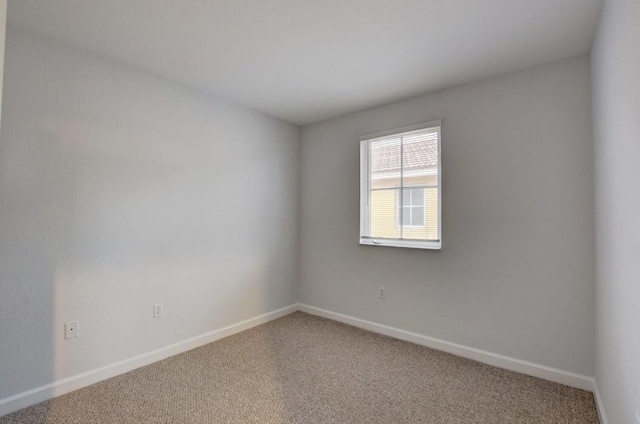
(386, 157)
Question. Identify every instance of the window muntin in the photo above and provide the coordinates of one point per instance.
(400, 187)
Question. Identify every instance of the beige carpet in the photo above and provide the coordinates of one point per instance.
(305, 369)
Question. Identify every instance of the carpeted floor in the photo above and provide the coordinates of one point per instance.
(305, 369)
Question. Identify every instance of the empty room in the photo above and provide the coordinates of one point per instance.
(320, 211)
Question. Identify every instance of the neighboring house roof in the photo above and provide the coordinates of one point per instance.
(385, 157)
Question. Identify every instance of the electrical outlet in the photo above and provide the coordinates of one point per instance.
(71, 329)
(638, 417)
(158, 310)
(382, 294)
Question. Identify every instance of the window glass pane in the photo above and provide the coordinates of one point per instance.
(417, 216)
(384, 213)
(432, 213)
(400, 197)
(406, 216)
(406, 197)
(417, 197)
(385, 163)
(420, 154)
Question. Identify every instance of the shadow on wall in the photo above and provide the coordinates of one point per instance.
(118, 191)
(87, 246)
(36, 223)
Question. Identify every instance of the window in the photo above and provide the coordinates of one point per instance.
(411, 207)
(400, 187)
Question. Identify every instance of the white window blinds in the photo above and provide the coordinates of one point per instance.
(400, 187)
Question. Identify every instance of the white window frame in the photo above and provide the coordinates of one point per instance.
(365, 164)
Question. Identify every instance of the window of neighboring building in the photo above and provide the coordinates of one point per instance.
(400, 187)
(411, 207)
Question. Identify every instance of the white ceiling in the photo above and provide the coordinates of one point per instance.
(308, 60)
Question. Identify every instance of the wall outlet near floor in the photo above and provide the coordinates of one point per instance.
(382, 293)
(158, 310)
(638, 417)
(71, 329)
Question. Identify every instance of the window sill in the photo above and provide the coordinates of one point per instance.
(431, 245)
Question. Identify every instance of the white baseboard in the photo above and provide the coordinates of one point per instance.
(599, 404)
(66, 385)
(541, 371)
(69, 384)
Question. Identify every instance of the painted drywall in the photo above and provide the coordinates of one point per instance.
(515, 274)
(305, 61)
(3, 28)
(616, 93)
(119, 190)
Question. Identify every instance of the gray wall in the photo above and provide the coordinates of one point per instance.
(515, 275)
(119, 190)
(616, 91)
(3, 28)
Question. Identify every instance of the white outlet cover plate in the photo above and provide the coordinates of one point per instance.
(382, 293)
(71, 329)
